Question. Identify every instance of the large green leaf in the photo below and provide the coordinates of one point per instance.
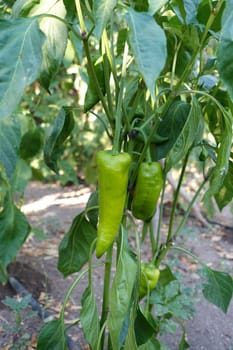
(190, 134)
(121, 293)
(171, 126)
(74, 249)
(21, 177)
(20, 60)
(22, 8)
(63, 125)
(89, 318)
(225, 49)
(103, 12)
(219, 288)
(14, 229)
(10, 135)
(52, 336)
(56, 38)
(148, 46)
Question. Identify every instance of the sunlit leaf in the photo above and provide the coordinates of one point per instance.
(148, 46)
(103, 12)
(155, 5)
(56, 33)
(20, 47)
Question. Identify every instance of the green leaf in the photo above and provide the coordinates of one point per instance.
(22, 8)
(191, 8)
(155, 5)
(89, 318)
(14, 229)
(166, 276)
(223, 155)
(4, 185)
(225, 49)
(187, 138)
(103, 11)
(21, 177)
(121, 292)
(141, 5)
(77, 46)
(74, 249)
(130, 342)
(9, 143)
(152, 344)
(171, 127)
(31, 143)
(20, 43)
(121, 39)
(63, 125)
(56, 34)
(92, 97)
(148, 46)
(218, 289)
(143, 329)
(225, 194)
(52, 336)
(70, 9)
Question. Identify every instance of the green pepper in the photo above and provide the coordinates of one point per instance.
(149, 278)
(148, 186)
(113, 173)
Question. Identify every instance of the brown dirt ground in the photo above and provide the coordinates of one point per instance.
(52, 208)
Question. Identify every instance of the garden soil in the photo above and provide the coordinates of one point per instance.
(50, 210)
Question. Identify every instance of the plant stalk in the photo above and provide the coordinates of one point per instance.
(106, 291)
(176, 196)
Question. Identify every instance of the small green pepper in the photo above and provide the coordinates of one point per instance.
(149, 183)
(149, 278)
(113, 173)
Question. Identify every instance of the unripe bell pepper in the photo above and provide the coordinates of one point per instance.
(149, 278)
(113, 173)
(148, 186)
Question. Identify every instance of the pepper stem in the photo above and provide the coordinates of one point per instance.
(116, 140)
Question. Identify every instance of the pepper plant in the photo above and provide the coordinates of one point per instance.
(159, 80)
